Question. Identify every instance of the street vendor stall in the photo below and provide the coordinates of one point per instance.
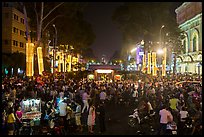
(31, 111)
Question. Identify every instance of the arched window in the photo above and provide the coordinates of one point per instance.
(194, 43)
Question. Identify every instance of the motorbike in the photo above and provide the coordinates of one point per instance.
(172, 128)
(137, 119)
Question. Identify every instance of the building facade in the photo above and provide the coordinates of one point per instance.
(13, 30)
(189, 19)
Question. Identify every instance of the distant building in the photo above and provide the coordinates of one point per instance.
(189, 18)
(13, 29)
(104, 59)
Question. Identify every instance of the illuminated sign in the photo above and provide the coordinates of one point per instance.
(104, 71)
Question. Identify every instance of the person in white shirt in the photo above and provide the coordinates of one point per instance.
(62, 111)
(183, 114)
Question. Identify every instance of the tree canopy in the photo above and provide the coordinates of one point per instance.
(142, 21)
(68, 18)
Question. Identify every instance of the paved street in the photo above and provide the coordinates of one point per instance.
(117, 122)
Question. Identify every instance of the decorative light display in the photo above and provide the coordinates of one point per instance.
(69, 60)
(40, 60)
(164, 64)
(154, 65)
(149, 64)
(29, 59)
(144, 63)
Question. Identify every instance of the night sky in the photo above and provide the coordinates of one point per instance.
(108, 37)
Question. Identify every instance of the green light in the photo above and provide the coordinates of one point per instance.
(6, 71)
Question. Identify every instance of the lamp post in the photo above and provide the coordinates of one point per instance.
(55, 44)
(160, 39)
(160, 34)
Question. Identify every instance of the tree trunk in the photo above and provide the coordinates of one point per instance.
(174, 68)
(29, 62)
(26, 23)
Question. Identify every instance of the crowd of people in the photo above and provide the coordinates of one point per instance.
(73, 106)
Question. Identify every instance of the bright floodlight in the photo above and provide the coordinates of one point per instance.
(142, 42)
(160, 51)
(133, 50)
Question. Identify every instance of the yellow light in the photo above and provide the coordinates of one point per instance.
(154, 73)
(144, 63)
(29, 59)
(103, 71)
(40, 60)
(90, 77)
(149, 64)
(69, 62)
(164, 64)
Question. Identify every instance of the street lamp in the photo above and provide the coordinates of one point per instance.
(160, 51)
(54, 50)
(160, 34)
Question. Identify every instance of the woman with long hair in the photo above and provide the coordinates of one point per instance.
(11, 122)
(91, 117)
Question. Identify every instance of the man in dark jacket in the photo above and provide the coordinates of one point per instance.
(101, 116)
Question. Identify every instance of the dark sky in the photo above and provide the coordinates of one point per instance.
(108, 37)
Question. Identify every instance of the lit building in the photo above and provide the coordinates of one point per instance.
(13, 29)
(189, 18)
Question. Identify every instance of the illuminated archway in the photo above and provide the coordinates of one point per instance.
(195, 40)
(185, 43)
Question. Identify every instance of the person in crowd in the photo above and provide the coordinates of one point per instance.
(78, 117)
(4, 124)
(197, 123)
(62, 111)
(165, 117)
(183, 115)
(102, 95)
(19, 115)
(101, 116)
(149, 107)
(173, 103)
(85, 98)
(11, 121)
(91, 118)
